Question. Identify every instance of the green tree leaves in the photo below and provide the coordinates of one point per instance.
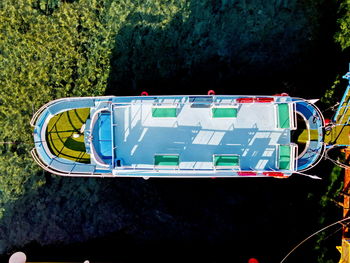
(343, 35)
(48, 49)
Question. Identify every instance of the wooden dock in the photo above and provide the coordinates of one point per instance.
(344, 249)
(339, 135)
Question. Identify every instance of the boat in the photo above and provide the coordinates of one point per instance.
(188, 136)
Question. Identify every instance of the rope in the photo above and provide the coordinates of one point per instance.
(309, 175)
(326, 156)
(302, 242)
(332, 108)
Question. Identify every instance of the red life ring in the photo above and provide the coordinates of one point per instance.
(211, 92)
(284, 94)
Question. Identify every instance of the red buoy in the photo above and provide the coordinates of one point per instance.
(282, 94)
(253, 260)
(144, 93)
(211, 92)
(327, 121)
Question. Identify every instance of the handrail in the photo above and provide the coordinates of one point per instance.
(47, 168)
(321, 150)
(94, 154)
(37, 114)
(41, 109)
(318, 159)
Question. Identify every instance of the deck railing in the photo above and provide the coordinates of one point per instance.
(50, 103)
(48, 168)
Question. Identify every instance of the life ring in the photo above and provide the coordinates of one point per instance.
(283, 94)
(211, 92)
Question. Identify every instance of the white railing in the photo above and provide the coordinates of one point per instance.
(50, 103)
(48, 168)
(94, 153)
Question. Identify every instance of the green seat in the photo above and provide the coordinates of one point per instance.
(283, 116)
(166, 159)
(164, 112)
(224, 112)
(226, 160)
(284, 157)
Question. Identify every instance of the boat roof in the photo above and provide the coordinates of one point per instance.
(195, 133)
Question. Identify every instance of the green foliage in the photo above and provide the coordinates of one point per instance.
(343, 35)
(335, 185)
(157, 43)
(329, 99)
(51, 49)
(48, 49)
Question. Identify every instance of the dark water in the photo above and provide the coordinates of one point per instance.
(210, 220)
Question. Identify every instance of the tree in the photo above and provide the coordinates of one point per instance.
(343, 35)
(48, 50)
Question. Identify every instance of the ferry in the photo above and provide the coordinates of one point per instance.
(189, 136)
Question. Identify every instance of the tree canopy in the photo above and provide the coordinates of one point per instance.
(48, 50)
(342, 36)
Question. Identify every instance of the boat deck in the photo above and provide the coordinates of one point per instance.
(196, 136)
(187, 136)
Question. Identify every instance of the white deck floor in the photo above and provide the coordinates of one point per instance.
(196, 136)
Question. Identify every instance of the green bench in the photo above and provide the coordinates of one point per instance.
(164, 112)
(283, 116)
(166, 159)
(284, 157)
(224, 160)
(221, 112)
